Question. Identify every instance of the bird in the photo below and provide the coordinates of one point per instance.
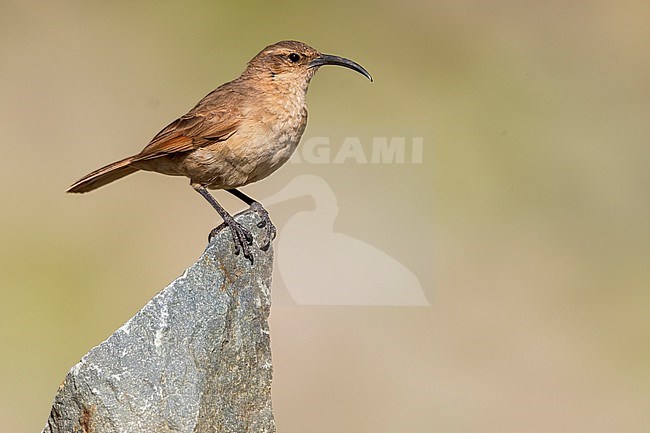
(238, 134)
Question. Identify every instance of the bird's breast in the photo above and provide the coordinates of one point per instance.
(272, 142)
(265, 139)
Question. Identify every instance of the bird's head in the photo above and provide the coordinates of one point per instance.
(295, 62)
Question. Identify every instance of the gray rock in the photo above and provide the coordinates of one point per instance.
(196, 358)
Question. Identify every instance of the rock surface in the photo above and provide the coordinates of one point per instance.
(196, 358)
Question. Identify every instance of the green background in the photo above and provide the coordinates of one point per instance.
(527, 221)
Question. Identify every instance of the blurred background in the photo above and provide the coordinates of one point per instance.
(526, 223)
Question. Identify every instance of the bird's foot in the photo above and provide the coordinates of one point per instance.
(265, 221)
(241, 236)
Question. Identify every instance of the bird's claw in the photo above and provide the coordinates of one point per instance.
(241, 236)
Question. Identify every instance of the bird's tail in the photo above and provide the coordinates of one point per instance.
(104, 175)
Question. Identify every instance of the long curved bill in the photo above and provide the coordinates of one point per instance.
(328, 59)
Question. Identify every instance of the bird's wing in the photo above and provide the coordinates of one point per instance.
(209, 122)
(215, 118)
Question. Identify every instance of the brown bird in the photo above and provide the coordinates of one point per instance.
(238, 134)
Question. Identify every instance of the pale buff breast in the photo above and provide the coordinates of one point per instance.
(263, 143)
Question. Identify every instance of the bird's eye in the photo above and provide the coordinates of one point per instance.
(294, 57)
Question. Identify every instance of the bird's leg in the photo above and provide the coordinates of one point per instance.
(265, 219)
(240, 235)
